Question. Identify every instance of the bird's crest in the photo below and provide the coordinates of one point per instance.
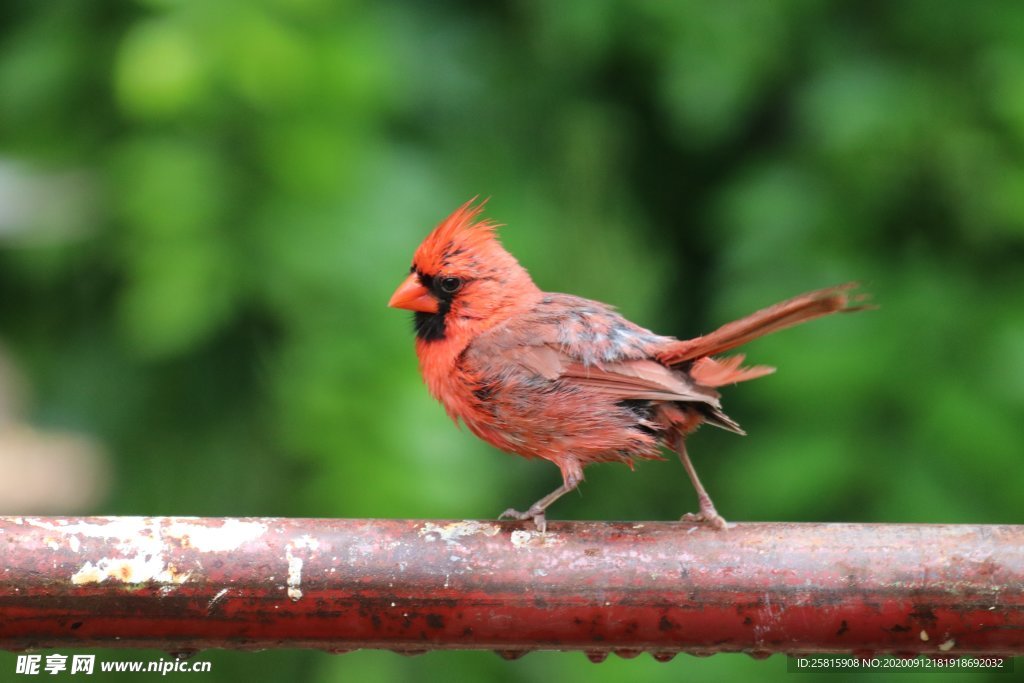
(457, 234)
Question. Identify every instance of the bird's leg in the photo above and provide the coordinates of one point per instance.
(572, 475)
(708, 514)
(536, 511)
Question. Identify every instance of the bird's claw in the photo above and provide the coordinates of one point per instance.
(539, 520)
(709, 517)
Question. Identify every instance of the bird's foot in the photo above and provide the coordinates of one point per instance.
(707, 516)
(537, 515)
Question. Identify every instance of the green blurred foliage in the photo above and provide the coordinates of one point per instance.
(209, 299)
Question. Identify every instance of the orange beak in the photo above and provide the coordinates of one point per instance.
(413, 296)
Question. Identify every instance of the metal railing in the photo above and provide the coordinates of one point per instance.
(182, 584)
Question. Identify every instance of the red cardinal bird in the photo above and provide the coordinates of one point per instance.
(563, 378)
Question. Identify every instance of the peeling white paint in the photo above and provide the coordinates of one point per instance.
(126, 528)
(89, 573)
(295, 564)
(294, 576)
(534, 539)
(306, 541)
(142, 568)
(132, 531)
(141, 545)
(210, 539)
(451, 533)
(137, 537)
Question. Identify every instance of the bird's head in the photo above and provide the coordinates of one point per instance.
(462, 279)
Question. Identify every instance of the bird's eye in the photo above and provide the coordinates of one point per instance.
(450, 285)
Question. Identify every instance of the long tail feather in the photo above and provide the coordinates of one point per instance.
(772, 319)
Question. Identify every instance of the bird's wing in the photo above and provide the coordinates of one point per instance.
(591, 345)
(627, 379)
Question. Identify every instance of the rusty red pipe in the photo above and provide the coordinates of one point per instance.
(180, 584)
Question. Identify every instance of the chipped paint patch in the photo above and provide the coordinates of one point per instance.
(126, 528)
(203, 537)
(145, 542)
(924, 635)
(451, 533)
(138, 538)
(295, 563)
(948, 645)
(294, 576)
(139, 569)
(89, 573)
(534, 539)
(215, 539)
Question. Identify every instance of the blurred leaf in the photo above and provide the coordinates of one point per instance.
(160, 71)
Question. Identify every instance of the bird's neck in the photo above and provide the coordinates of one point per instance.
(439, 354)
